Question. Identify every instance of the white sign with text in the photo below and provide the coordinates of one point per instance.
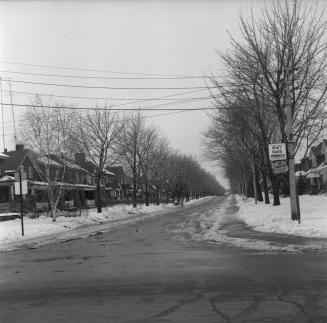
(277, 151)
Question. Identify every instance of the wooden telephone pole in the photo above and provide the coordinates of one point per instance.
(295, 206)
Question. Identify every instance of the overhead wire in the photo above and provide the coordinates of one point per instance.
(136, 100)
(104, 108)
(101, 70)
(107, 77)
(110, 87)
(144, 117)
(122, 110)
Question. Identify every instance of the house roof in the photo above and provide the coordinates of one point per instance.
(68, 163)
(3, 156)
(107, 172)
(117, 170)
(318, 149)
(15, 159)
(7, 178)
(86, 164)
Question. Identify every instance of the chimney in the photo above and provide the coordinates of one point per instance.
(6, 150)
(19, 147)
(80, 158)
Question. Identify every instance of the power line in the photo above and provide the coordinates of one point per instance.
(111, 87)
(107, 77)
(150, 106)
(113, 109)
(157, 105)
(145, 117)
(175, 111)
(122, 110)
(164, 98)
(102, 71)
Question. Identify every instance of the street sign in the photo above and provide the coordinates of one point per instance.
(277, 151)
(21, 189)
(17, 184)
(24, 188)
(279, 166)
(23, 174)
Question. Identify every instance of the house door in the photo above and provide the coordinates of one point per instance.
(4, 195)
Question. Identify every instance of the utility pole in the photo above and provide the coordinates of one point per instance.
(12, 110)
(3, 121)
(21, 199)
(295, 206)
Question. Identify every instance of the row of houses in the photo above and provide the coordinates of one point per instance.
(78, 180)
(313, 167)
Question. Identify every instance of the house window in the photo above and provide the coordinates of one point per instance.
(30, 172)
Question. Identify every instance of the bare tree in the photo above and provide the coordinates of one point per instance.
(98, 134)
(158, 167)
(146, 155)
(129, 144)
(48, 132)
(287, 43)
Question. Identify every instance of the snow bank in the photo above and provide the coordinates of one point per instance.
(266, 218)
(269, 218)
(42, 230)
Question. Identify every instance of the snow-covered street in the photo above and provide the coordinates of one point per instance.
(153, 270)
(211, 225)
(42, 230)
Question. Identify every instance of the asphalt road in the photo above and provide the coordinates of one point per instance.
(150, 272)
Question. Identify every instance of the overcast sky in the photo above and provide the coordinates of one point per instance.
(151, 37)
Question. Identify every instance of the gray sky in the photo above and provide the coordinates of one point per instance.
(154, 37)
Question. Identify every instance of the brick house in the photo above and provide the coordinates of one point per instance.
(106, 178)
(315, 166)
(121, 186)
(77, 182)
(5, 193)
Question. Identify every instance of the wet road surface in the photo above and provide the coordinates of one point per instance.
(150, 272)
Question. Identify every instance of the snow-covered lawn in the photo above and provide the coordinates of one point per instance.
(42, 230)
(264, 218)
(269, 218)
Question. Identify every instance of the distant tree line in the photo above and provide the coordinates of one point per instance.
(109, 138)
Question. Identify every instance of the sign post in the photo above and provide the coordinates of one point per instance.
(20, 189)
(21, 200)
(295, 205)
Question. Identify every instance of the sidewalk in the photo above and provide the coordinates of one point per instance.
(237, 228)
(229, 228)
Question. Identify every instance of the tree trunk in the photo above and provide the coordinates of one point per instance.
(134, 189)
(274, 182)
(265, 186)
(134, 175)
(146, 191)
(98, 193)
(158, 197)
(259, 187)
